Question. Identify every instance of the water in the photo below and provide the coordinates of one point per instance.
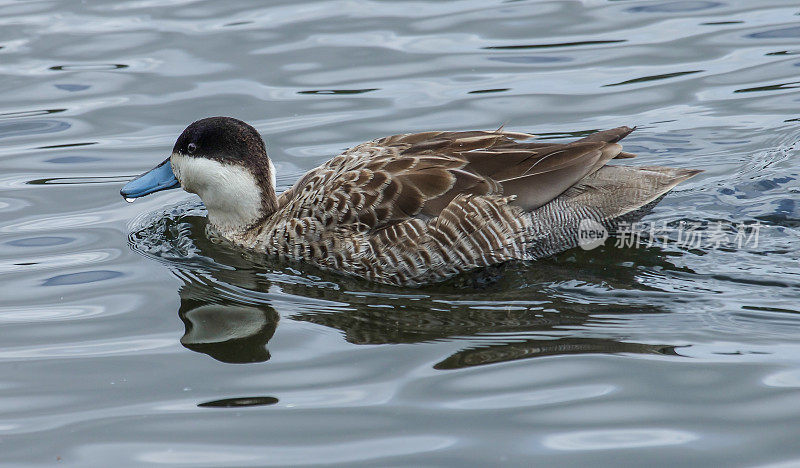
(130, 338)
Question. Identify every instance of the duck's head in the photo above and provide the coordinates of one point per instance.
(224, 161)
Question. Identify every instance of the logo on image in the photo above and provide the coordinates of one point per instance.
(591, 234)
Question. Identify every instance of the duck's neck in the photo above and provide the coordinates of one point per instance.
(244, 207)
(241, 209)
(237, 198)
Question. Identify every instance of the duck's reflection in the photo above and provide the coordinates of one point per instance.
(535, 348)
(225, 330)
(227, 307)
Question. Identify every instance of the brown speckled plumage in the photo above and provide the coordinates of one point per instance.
(419, 208)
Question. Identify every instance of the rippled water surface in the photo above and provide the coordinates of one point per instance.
(128, 337)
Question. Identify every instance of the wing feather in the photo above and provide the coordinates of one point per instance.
(399, 177)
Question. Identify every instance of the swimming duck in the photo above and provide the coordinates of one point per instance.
(415, 208)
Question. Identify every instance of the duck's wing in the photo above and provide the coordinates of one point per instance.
(417, 175)
(536, 174)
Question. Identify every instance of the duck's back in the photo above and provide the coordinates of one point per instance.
(418, 208)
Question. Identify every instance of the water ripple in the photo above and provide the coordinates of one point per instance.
(615, 439)
(125, 326)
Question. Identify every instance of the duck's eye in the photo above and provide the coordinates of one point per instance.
(192, 148)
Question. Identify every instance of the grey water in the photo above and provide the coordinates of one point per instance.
(128, 338)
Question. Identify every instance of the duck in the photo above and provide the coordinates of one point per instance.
(411, 209)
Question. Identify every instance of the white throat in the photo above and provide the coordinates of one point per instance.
(229, 192)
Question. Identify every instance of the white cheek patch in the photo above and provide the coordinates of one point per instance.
(229, 192)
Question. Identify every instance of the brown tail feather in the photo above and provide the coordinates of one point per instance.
(553, 173)
(609, 136)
